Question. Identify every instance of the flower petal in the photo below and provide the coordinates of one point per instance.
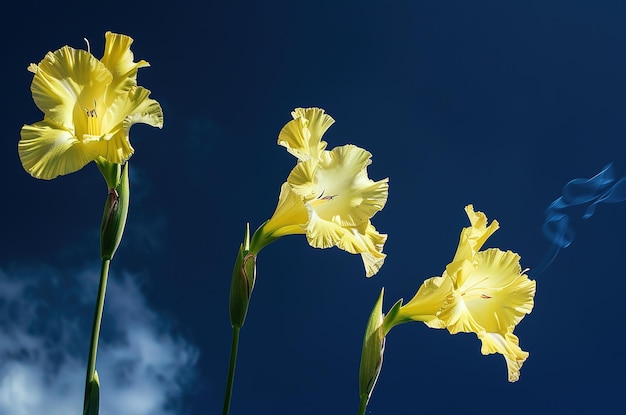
(47, 151)
(355, 240)
(508, 346)
(289, 217)
(433, 295)
(373, 258)
(322, 233)
(302, 179)
(119, 59)
(128, 109)
(302, 136)
(472, 239)
(60, 80)
(372, 262)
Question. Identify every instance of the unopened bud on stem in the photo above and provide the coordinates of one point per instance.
(114, 216)
(242, 283)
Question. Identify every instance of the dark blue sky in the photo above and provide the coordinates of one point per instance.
(498, 105)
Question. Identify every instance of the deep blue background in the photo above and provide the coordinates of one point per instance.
(459, 102)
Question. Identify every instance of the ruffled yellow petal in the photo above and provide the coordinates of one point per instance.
(355, 240)
(119, 59)
(362, 239)
(67, 83)
(302, 136)
(365, 240)
(302, 179)
(372, 262)
(47, 151)
(128, 109)
(373, 258)
(321, 233)
(506, 344)
(472, 239)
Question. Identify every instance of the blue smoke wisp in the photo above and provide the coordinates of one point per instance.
(601, 188)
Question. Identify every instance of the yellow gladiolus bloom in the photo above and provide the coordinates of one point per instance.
(89, 105)
(484, 292)
(328, 195)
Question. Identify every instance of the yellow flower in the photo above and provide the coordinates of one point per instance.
(89, 106)
(484, 292)
(328, 195)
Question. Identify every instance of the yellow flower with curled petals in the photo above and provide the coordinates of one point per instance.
(328, 195)
(483, 292)
(89, 105)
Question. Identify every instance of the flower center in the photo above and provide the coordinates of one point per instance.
(475, 291)
(322, 199)
(324, 205)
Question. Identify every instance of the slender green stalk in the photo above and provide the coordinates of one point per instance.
(231, 369)
(363, 404)
(95, 330)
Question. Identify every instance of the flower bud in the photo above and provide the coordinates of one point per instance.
(114, 216)
(244, 276)
(372, 353)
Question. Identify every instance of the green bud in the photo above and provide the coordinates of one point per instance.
(92, 396)
(242, 283)
(372, 353)
(114, 216)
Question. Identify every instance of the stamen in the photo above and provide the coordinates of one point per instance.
(471, 292)
(473, 286)
(92, 115)
(321, 198)
(91, 112)
(88, 46)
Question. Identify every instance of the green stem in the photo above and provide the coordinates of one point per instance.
(95, 330)
(231, 369)
(363, 404)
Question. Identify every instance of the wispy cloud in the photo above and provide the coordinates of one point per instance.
(45, 322)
